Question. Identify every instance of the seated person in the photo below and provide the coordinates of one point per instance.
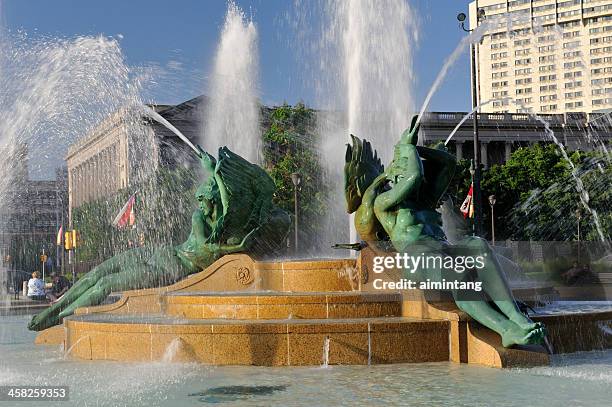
(36, 288)
(60, 286)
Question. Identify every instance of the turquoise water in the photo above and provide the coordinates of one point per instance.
(582, 379)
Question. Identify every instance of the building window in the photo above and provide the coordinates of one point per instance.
(547, 68)
(548, 88)
(524, 61)
(497, 75)
(571, 85)
(499, 45)
(571, 65)
(499, 55)
(546, 78)
(547, 98)
(571, 34)
(524, 71)
(576, 74)
(546, 58)
(546, 48)
(573, 44)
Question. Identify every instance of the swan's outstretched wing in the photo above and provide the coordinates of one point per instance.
(361, 167)
(246, 194)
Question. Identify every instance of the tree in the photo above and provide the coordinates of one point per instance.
(537, 195)
(290, 146)
(163, 208)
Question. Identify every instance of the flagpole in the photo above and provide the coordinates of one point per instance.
(57, 225)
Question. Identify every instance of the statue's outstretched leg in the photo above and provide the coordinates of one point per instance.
(476, 303)
(511, 333)
(50, 316)
(496, 286)
(127, 279)
(162, 268)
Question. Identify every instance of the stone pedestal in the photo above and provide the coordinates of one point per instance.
(244, 312)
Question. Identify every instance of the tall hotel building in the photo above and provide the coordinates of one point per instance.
(555, 56)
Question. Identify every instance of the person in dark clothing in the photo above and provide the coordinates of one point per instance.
(60, 286)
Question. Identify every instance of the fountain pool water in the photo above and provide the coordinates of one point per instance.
(581, 379)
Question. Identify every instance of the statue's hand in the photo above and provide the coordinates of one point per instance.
(207, 161)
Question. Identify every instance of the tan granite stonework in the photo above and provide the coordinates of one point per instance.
(52, 336)
(263, 305)
(261, 343)
(245, 312)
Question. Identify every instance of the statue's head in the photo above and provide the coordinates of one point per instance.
(208, 196)
(411, 135)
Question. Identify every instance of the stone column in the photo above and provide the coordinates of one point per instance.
(508, 146)
(98, 181)
(483, 154)
(89, 180)
(78, 185)
(459, 150)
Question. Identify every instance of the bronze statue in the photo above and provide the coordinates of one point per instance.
(395, 209)
(235, 214)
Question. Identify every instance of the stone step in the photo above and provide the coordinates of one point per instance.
(279, 342)
(605, 278)
(276, 305)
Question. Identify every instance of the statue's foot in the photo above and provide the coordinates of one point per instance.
(518, 336)
(527, 324)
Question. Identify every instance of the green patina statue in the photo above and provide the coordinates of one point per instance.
(235, 214)
(395, 210)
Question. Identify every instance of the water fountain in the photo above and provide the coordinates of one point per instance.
(231, 117)
(243, 310)
(55, 91)
(361, 70)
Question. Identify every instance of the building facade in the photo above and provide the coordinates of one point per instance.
(31, 214)
(502, 133)
(126, 147)
(556, 57)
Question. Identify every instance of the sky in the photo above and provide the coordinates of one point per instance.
(178, 39)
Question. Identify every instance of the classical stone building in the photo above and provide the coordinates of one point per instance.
(111, 158)
(502, 133)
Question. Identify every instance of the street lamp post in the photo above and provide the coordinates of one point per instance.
(476, 192)
(472, 174)
(578, 219)
(492, 201)
(296, 178)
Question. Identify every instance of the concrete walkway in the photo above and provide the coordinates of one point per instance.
(11, 306)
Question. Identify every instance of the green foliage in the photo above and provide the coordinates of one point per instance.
(291, 147)
(163, 208)
(537, 195)
(460, 184)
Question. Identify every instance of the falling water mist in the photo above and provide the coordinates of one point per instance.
(231, 117)
(363, 84)
(54, 92)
